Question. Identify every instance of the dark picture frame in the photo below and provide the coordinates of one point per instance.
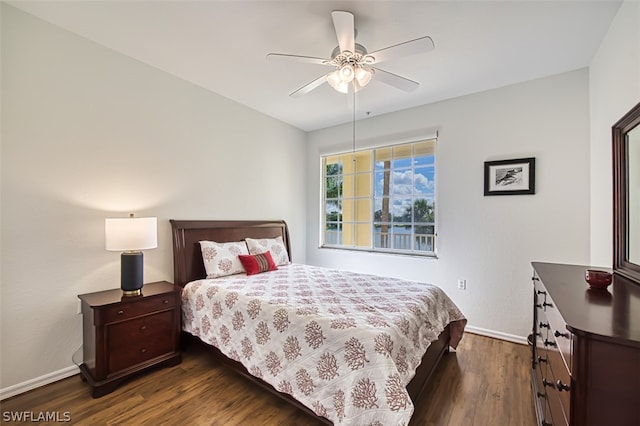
(510, 177)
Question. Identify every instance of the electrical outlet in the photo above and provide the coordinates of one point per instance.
(462, 284)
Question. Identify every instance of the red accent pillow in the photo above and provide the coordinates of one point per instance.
(257, 263)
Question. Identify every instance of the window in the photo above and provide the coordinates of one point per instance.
(381, 199)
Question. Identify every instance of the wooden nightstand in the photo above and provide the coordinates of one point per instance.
(125, 335)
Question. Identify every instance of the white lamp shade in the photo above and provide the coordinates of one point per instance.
(131, 233)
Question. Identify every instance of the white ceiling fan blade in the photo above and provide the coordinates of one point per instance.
(344, 24)
(412, 47)
(281, 57)
(395, 80)
(309, 87)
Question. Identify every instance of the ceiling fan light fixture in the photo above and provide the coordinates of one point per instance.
(336, 82)
(363, 76)
(346, 73)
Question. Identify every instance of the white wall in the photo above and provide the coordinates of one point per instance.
(614, 88)
(489, 241)
(88, 133)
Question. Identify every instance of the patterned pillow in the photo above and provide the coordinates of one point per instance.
(221, 259)
(257, 263)
(274, 245)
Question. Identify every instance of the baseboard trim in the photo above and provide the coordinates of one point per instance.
(496, 334)
(46, 379)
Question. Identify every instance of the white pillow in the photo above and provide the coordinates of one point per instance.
(221, 259)
(274, 245)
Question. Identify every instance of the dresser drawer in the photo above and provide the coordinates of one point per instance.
(542, 391)
(558, 391)
(136, 308)
(558, 331)
(561, 379)
(553, 404)
(132, 342)
(545, 339)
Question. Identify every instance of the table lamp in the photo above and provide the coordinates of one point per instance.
(130, 235)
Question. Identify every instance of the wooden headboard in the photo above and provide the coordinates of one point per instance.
(187, 257)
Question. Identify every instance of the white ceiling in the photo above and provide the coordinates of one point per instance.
(221, 46)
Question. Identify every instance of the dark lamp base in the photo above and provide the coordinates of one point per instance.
(131, 267)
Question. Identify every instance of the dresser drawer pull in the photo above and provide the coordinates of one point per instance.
(541, 292)
(550, 343)
(544, 325)
(534, 278)
(545, 383)
(120, 312)
(562, 387)
(542, 360)
(558, 334)
(143, 350)
(545, 304)
(165, 301)
(539, 305)
(143, 328)
(542, 395)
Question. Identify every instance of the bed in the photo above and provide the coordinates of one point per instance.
(319, 338)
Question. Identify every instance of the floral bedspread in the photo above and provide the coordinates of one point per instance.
(343, 344)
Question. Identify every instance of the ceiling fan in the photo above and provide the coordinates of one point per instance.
(353, 65)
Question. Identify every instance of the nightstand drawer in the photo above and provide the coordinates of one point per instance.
(136, 308)
(132, 342)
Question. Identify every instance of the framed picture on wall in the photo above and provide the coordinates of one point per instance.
(510, 177)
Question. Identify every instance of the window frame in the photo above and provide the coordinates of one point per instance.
(372, 223)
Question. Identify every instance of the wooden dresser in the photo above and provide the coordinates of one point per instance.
(125, 335)
(585, 349)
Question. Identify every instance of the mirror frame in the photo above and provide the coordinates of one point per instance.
(621, 265)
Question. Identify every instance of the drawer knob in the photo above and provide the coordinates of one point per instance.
(539, 305)
(541, 292)
(166, 302)
(143, 350)
(120, 312)
(545, 304)
(534, 278)
(562, 386)
(542, 360)
(545, 383)
(544, 324)
(558, 334)
(143, 328)
(550, 343)
(542, 395)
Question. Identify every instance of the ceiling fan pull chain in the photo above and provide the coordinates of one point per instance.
(353, 148)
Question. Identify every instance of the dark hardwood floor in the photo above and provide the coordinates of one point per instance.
(486, 382)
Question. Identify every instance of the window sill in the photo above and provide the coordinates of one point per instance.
(381, 252)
